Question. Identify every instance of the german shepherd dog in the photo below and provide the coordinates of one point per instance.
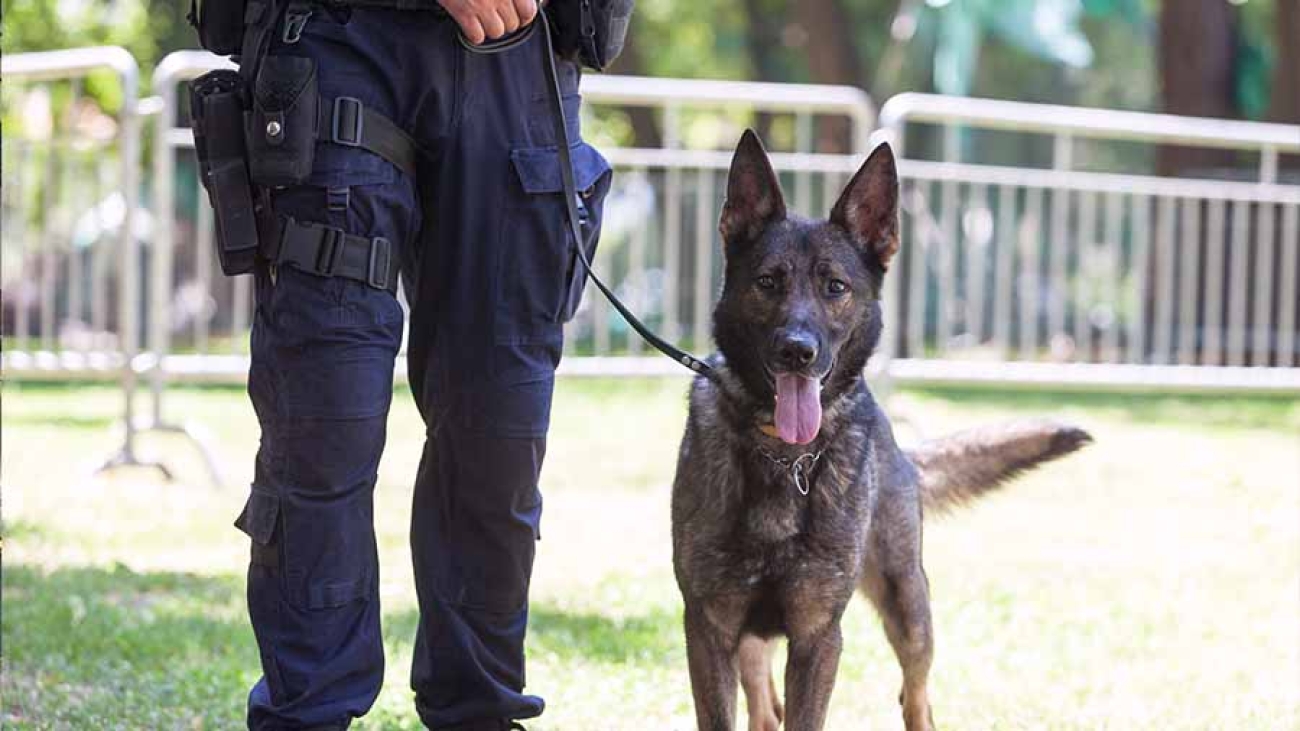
(790, 490)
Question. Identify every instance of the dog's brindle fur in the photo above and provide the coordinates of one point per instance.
(754, 558)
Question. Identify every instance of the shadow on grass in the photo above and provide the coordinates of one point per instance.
(93, 647)
(650, 637)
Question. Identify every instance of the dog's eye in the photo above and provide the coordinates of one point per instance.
(766, 282)
(835, 286)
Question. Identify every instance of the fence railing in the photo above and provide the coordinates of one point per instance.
(1009, 273)
(1087, 278)
(71, 244)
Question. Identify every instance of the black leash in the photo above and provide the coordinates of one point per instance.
(571, 188)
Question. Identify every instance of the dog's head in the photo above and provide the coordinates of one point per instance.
(800, 307)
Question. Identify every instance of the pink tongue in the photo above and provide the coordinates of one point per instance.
(798, 408)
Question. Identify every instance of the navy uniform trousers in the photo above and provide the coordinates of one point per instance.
(488, 270)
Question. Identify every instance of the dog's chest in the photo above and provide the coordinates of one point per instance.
(775, 517)
(784, 533)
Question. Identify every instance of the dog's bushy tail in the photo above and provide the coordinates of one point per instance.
(960, 467)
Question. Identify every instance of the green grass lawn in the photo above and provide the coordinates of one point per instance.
(1151, 582)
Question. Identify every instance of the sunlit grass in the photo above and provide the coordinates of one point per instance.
(1151, 582)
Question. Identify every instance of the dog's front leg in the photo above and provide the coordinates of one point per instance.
(712, 634)
(810, 676)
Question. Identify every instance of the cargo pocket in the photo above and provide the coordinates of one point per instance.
(324, 552)
(540, 280)
(258, 520)
(329, 551)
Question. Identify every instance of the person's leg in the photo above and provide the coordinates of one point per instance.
(323, 350)
(486, 337)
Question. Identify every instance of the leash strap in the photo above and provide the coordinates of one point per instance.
(574, 220)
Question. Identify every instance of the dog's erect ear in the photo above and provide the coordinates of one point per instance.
(754, 199)
(868, 207)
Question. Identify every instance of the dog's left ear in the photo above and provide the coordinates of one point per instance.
(868, 207)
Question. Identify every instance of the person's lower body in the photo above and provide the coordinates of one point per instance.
(489, 275)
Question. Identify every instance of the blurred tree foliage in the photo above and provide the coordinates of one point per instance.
(40, 25)
(1091, 52)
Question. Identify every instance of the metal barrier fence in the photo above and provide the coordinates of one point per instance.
(1008, 274)
(70, 241)
(1081, 278)
(72, 227)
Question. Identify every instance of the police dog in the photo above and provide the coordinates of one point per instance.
(790, 490)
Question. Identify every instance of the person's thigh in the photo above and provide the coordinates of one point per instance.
(498, 260)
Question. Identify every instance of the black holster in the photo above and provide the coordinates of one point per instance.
(604, 31)
(220, 24)
(217, 104)
(593, 31)
(254, 129)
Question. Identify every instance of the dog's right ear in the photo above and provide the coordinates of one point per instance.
(754, 199)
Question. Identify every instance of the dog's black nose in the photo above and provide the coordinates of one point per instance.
(795, 349)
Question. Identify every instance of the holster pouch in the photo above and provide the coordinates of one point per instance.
(281, 127)
(220, 24)
(603, 29)
(592, 32)
(217, 113)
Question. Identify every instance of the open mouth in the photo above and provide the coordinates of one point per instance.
(798, 413)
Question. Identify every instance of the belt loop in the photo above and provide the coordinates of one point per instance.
(347, 123)
(381, 260)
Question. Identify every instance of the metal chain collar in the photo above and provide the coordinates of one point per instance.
(800, 467)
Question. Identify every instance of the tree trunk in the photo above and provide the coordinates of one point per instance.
(1286, 75)
(832, 59)
(763, 40)
(1285, 106)
(645, 127)
(1198, 59)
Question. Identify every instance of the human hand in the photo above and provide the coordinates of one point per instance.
(481, 20)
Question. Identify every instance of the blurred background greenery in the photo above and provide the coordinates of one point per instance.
(1228, 59)
(1217, 58)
